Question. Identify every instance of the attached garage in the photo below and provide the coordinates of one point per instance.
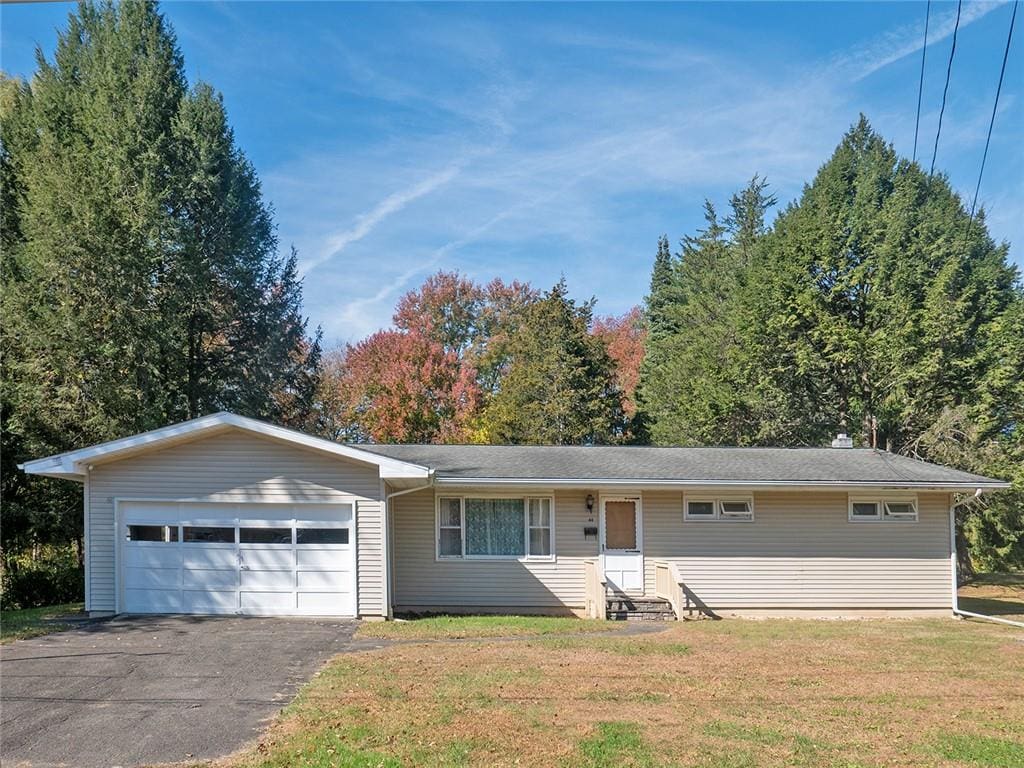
(228, 515)
(258, 559)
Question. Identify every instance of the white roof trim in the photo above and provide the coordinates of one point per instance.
(747, 484)
(72, 465)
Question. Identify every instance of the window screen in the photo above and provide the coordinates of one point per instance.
(865, 509)
(700, 508)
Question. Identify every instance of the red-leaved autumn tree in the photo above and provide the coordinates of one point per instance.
(624, 336)
(398, 387)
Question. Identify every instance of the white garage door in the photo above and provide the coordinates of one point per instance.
(257, 559)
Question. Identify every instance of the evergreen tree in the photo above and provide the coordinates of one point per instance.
(141, 281)
(661, 296)
(559, 386)
(872, 307)
(695, 382)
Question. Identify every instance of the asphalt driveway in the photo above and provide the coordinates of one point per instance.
(144, 690)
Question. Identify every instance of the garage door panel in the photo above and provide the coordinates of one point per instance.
(158, 578)
(323, 558)
(326, 603)
(268, 602)
(152, 556)
(152, 601)
(209, 601)
(337, 581)
(268, 559)
(269, 580)
(210, 579)
(209, 557)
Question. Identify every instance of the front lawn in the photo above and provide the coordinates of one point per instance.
(733, 693)
(32, 622)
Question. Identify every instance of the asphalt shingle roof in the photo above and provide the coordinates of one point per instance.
(813, 465)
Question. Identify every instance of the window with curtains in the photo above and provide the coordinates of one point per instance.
(494, 527)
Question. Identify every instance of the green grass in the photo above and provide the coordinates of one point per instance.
(32, 622)
(455, 627)
(981, 750)
(613, 745)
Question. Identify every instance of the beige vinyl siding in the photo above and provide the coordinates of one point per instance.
(423, 581)
(236, 467)
(801, 551)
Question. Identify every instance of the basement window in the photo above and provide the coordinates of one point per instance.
(883, 509)
(724, 508)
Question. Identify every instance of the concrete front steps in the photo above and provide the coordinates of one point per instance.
(623, 608)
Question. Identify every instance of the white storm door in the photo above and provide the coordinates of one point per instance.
(621, 543)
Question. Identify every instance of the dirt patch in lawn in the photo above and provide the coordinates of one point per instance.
(730, 693)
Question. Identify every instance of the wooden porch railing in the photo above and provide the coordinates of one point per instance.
(596, 588)
(669, 585)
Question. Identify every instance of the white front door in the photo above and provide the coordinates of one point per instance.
(258, 559)
(622, 542)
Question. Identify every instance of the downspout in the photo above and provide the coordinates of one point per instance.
(387, 539)
(952, 565)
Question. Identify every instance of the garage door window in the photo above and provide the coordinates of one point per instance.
(265, 535)
(208, 534)
(321, 535)
(165, 533)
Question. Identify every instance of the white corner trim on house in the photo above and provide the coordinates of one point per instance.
(74, 464)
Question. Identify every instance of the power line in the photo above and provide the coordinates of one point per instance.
(920, 83)
(945, 89)
(992, 120)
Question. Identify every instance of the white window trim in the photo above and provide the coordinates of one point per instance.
(525, 498)
(880, 503)
(718, 516)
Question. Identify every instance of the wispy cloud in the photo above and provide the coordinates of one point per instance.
(366, 222)
(893, 45)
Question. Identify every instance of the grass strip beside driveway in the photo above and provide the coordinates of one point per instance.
(457, 627)
(33, 622)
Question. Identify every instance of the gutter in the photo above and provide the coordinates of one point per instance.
(386, 528)
(957, 611)
(592, 482)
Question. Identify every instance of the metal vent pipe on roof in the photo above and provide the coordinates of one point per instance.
(842, 441)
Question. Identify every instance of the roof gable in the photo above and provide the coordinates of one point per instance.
(73, 464)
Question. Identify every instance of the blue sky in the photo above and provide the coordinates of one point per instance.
(531, 141)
